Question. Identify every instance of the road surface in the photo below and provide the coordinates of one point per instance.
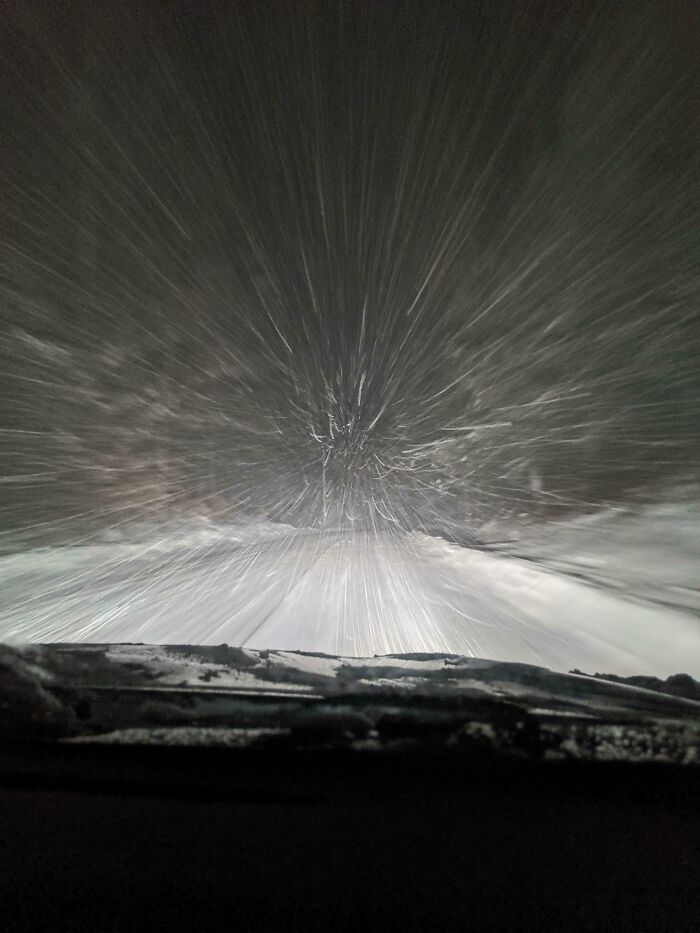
(341, 594)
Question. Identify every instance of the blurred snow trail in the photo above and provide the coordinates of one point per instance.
(630, 608)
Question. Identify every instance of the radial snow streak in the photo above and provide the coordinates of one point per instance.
(291, 292)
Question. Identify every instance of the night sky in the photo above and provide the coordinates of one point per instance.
(406, 265)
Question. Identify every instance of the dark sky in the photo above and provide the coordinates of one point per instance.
(408, 262)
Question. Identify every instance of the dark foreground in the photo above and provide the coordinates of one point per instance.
(193, 839)
(216, 789)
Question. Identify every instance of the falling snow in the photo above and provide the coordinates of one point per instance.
(358, 328)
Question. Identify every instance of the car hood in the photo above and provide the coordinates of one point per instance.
(221, 695)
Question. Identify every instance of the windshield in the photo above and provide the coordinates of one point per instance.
(352, 330)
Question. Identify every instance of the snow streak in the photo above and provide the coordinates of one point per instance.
(318, 280)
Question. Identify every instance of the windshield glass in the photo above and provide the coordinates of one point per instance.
(353, 330)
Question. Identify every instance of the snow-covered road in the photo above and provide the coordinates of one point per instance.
(343, 594)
